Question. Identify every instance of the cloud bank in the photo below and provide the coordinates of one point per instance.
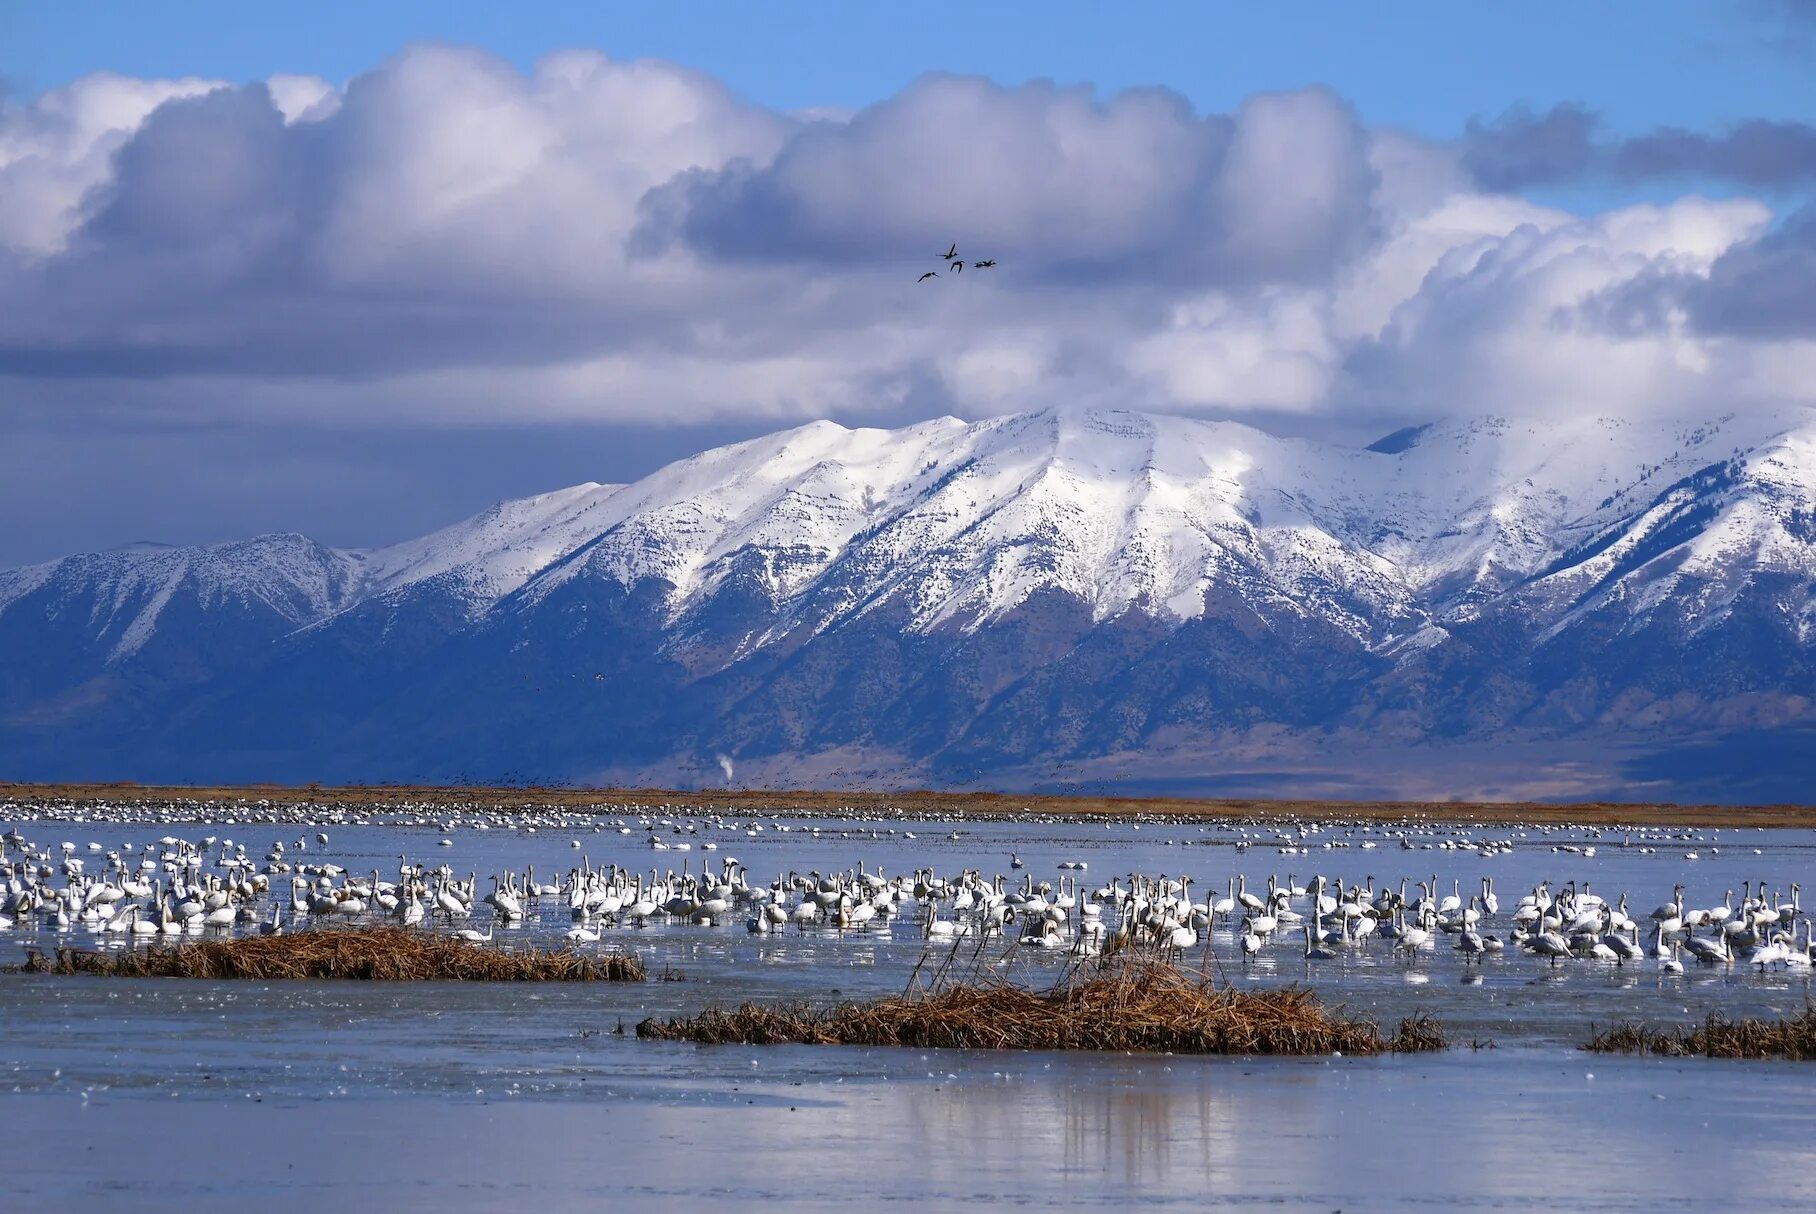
(448, 242)
(1522, 149)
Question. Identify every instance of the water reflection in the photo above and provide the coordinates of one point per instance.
(1530, 1132)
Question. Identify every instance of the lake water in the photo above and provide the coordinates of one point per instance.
(194, 1095)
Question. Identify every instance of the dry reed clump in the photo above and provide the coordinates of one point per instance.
(374, 953)
(1142, 1005)
(1792, 1038)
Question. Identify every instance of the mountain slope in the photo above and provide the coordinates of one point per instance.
(1058, 596)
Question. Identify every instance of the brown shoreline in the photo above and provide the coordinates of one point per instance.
(934, 804)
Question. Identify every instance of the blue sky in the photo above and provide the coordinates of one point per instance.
(1423, 66)
(451, 254)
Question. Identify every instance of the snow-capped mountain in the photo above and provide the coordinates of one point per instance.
(1048, 598)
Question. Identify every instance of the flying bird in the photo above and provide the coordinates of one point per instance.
(949, 254)
(958, 267)
(982, 265)
(927, 275)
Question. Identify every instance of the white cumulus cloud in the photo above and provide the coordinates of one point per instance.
(450, 242)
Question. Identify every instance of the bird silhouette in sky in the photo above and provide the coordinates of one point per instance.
(957, 263)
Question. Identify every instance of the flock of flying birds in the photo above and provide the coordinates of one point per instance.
(955, 263)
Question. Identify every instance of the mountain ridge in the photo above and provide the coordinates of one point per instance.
(963, 600)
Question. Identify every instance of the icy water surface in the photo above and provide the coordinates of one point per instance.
(1539, 1131)
(194, 1095)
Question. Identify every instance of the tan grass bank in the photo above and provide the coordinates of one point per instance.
(1126, 1004)
(370, 954)
(1792, 1038)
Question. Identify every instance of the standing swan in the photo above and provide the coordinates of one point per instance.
(1251, 943)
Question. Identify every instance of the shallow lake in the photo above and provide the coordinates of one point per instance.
(178, 1094)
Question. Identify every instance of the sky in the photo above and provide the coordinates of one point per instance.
(359, 270)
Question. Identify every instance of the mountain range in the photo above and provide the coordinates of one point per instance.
(1064, 600)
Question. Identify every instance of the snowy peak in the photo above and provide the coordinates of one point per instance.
(953, 600)
(481, 559)
(949, 524)
(120, 596)
(1703, 540)
(962, 523)
(1120, 510)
